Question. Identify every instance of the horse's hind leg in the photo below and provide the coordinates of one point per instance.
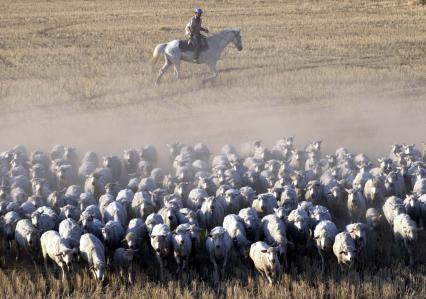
(177, 68)
(163, 69)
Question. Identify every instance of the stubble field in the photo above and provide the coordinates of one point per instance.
(352, 73)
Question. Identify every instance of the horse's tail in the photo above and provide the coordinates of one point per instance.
(159, 49)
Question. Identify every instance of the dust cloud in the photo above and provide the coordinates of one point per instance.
(361, 125)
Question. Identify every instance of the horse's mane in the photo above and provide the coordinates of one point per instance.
(226, 30)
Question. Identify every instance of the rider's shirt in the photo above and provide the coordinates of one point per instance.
(194, 25)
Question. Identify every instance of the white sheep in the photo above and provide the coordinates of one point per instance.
(265, 259)
(58, 250)
(344, 250)
(405, 232)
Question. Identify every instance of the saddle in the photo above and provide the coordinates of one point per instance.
(187, 46)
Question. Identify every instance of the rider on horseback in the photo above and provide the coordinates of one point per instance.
(193, 31)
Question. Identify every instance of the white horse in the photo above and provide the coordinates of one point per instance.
(216, 44)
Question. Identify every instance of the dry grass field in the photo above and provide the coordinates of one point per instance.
(352, 73)
(94, 54)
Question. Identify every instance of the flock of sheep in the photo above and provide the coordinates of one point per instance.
(262, 207)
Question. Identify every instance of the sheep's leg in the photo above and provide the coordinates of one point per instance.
(263, 274)
(285, 261)
(18, 249)
(215, 270)
(63, 272)
(321, 254)
(276, 274)
(178, 262)
(92, 270)
(342, 268)
(160, 261)
(271, 282)
(410, 254)
(225, 263)
(45, 263)
(185, 263)
(130, 274)
(32, 256)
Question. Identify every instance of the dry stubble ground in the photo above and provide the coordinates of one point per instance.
(350, 72)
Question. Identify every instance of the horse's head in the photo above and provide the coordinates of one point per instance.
(237, 40)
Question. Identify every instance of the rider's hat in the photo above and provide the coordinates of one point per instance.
(198, 10)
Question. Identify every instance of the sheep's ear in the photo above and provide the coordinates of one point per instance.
(264, 250)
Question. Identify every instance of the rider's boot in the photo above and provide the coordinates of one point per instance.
(196, 54)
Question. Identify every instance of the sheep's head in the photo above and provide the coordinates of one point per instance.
(411, 202)
(357, 232)
(33, 238)
(281, 213)
(99, 269)
(217, 237)
(271, 254)
(67, 256)
(85, 220)
(35, 218)
(299, 219)
(131, 240)
(410, 233)
(347, 257)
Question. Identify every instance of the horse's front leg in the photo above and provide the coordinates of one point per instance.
(212, 67)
